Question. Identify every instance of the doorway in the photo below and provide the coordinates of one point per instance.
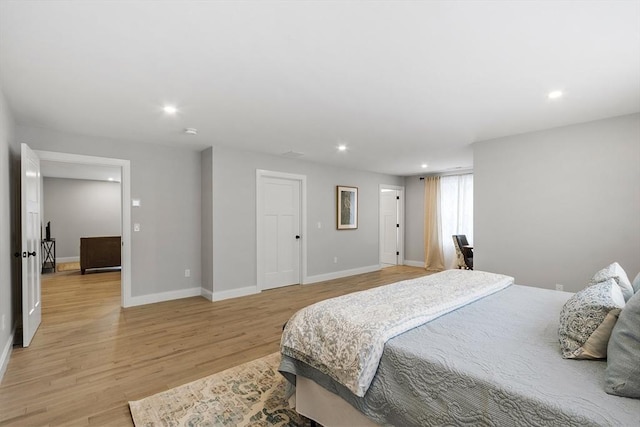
(62, 160)
(280, 224)
(391, 225)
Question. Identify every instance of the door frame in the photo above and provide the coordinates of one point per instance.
(260, 175)
(125, 214)
(400, 221)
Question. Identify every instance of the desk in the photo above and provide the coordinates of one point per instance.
(48, 256)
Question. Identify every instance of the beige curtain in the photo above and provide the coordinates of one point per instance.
(433, 252)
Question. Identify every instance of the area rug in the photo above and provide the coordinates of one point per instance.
(252, 394)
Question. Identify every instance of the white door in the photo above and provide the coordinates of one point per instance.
(391, 226)
(281, 232)
(30, 214)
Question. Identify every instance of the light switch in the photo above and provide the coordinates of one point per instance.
(135, 203)
(136, 226)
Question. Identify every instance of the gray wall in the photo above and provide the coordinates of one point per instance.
(80, 208)
(558, 205)
(167, 181)
(234, 218)
(414, 219)
(206, 157)
(8, 151)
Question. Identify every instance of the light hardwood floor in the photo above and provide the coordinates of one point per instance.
(90, 356)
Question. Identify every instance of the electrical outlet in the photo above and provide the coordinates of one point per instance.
(559, 287)
(136, 226)
(187, 273)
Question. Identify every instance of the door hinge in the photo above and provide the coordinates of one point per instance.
(397, 253)
(398, 225)
(397, 197)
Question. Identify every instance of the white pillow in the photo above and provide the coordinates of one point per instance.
(614, 271)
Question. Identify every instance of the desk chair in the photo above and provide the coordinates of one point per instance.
(464, 252)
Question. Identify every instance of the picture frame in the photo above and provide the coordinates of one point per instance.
(347, 207)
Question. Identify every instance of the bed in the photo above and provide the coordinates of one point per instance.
(100, 252)
(495, 361)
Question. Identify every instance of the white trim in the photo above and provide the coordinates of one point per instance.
(68, 259)
(206, 293)
(126, 300)
(6, 354)
(126, 292)
(235, 293)
(260, 174)
(414, 263)
(165, 296)
(341, 274)
(209, 294)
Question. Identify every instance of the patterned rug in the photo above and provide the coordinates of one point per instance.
(247, 395)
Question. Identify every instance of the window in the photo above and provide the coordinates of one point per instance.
(456, 213)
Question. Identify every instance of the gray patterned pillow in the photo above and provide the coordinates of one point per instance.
(587, 318)
(615, 271)
(622, 376)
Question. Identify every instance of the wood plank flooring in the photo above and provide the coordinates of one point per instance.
(90, 356)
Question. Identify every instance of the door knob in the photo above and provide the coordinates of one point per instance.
(297, 237)
(31, 253)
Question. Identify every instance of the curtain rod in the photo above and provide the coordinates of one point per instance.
(462, 172)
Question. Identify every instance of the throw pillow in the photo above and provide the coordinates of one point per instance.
(622, 376)
(614, 271)
(636, 284)
(587, 318)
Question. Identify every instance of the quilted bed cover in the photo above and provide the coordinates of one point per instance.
(354, 328)
(495, 362)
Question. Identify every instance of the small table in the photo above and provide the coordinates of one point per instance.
(48, 256)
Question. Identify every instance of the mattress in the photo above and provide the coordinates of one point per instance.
(494, 362)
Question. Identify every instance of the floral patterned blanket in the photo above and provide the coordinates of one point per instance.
(344, 337)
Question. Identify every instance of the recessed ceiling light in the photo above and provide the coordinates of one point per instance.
(170, 109)
(423, 166)
(555, 94)
(342, 147)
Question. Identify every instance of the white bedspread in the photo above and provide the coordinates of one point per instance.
(344, 337)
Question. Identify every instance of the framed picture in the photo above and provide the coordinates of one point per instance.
(347, 207)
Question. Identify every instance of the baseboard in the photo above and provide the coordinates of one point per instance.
(6, 354)
(67, 259)
(164, 296)
(414, 263)
(341, 274)
(234, 293)
(206, 293)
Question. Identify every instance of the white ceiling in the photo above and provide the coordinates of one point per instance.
(401, 83)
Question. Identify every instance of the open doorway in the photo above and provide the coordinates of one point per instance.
(73, 166)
